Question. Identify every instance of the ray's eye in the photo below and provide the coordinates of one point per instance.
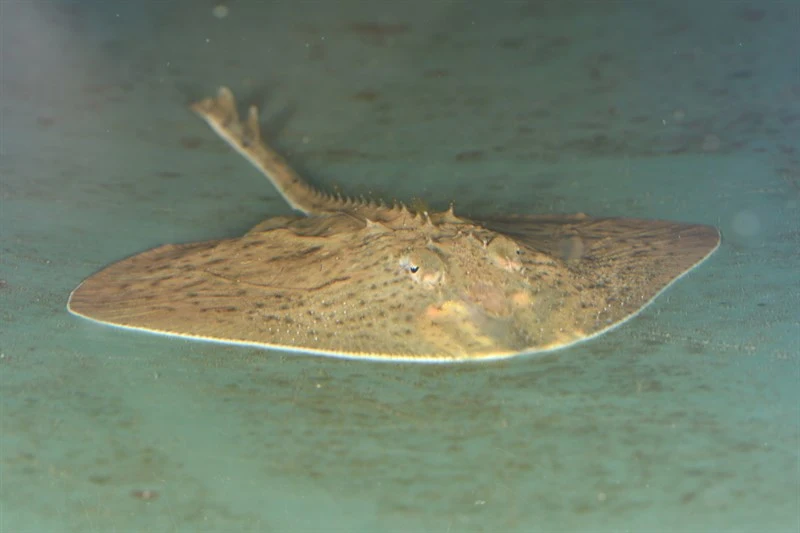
(424, 266)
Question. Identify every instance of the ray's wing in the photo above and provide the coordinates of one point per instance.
(620, 264)
(318, 285)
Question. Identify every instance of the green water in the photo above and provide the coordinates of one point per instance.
(687, 418)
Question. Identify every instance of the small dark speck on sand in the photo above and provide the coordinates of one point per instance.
(145, 495)
(168, 174)
(471, 155)
(191, 143)
(752, 14)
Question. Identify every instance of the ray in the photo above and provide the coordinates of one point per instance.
(361, 280)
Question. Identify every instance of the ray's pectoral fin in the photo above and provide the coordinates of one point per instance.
(626, 261)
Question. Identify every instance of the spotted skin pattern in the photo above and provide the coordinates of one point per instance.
(365, 280)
